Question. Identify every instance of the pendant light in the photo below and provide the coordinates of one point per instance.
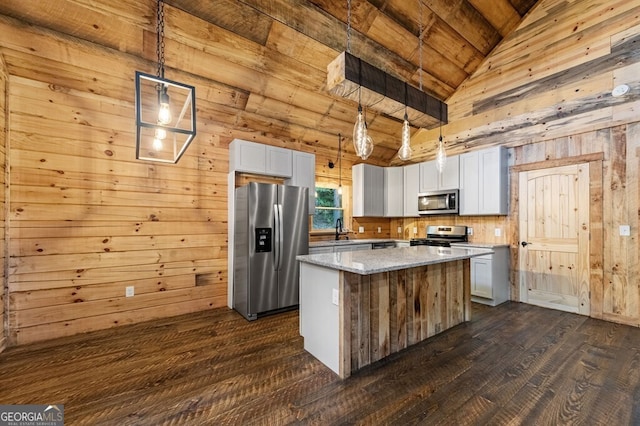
(362, 142)
(340, 163)
(441, 154)
(165, 109)
(405, 152)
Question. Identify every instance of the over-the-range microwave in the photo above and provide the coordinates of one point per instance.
(438, 202)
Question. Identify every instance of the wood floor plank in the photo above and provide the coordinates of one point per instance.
(512, 364)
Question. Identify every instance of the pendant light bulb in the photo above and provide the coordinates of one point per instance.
(157, 144)
(441, 156)
(405, 151)
(367, 148)
(359, 132)
(160, 134)
(164, 111)
(340, 190)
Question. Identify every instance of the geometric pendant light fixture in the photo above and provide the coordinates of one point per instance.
(165, 110)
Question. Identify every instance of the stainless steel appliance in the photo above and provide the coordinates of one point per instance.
(442, 236)
(438, 202)
(271, 229)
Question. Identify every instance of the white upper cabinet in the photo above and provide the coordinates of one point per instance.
(432, 180)
(394, 191)
(299, 168)
(304, 175)
(484, 182)
(368, 190)
(251, 157)
(411, 189)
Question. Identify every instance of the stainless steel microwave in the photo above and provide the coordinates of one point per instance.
(438, 202)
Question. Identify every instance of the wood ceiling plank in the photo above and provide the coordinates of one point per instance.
(467, 22)
(232, 15)
(499, 13)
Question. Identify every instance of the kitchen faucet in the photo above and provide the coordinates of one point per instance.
(338, 228)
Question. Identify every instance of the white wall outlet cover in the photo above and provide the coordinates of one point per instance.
(625, 230)
(335, 297)
(129, 291)
(379, 229)
(399, 229)
(415, 231)
(498, 232)
(469, 231)
(361, 229)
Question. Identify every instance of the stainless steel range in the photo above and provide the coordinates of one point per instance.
(442, 236)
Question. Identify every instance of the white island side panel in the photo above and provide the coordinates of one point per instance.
(319, 316)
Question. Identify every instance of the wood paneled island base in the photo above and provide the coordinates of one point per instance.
(380, 313)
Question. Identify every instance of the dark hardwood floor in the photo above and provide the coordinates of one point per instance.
(513, 364)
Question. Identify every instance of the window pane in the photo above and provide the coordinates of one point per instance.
(328, 208)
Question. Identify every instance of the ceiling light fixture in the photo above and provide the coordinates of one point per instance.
(362, 142)
(165, 124)
(620, 90)
(441, 153)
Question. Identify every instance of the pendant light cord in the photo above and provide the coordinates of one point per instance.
(160, 38)
(349, 26)
(420, 40)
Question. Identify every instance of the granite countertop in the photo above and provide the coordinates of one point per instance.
(367, 262)
(342, 242)
(480, 245)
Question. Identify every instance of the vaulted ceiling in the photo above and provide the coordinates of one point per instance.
(456, 37)
(262, 65)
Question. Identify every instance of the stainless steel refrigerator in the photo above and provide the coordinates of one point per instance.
(271, 229)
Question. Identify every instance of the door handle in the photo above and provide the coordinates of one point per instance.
(524, 243)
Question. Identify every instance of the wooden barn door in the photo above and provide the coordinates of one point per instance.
(554, 238)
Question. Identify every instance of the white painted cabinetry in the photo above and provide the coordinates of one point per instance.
(251, 157)
(304, 167)
(368, 190)
(490, 277)
(411, 189)
(393, 191)
(483, 182)
(432, 180)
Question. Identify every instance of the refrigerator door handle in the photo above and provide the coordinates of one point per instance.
(280, 236)
(276, 237)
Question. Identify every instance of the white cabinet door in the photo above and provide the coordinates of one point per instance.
(481, 277)
(279, 161)
(432, 180)
(393, 191)
(368, 190)
(469, 184)
(247, 157)
(493, 181)
(411, 189)
(304, 175)
(483, 182)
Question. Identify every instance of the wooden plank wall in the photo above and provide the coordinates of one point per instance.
(545, 93)
(4, 79)
(87, 219)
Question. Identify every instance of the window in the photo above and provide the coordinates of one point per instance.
(328, 209)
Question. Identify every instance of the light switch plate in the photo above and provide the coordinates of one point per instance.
(361, 229)
(625, 230)
(379, 229)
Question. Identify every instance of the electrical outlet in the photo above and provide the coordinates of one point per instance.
(335, 297)
(129, 291)
(399, 229)
(415, 231)
(498, 232)
(379, 229)
(361, 229)
(469, 231)
(625, 230)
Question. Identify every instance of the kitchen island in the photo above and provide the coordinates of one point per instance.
(359, 307)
